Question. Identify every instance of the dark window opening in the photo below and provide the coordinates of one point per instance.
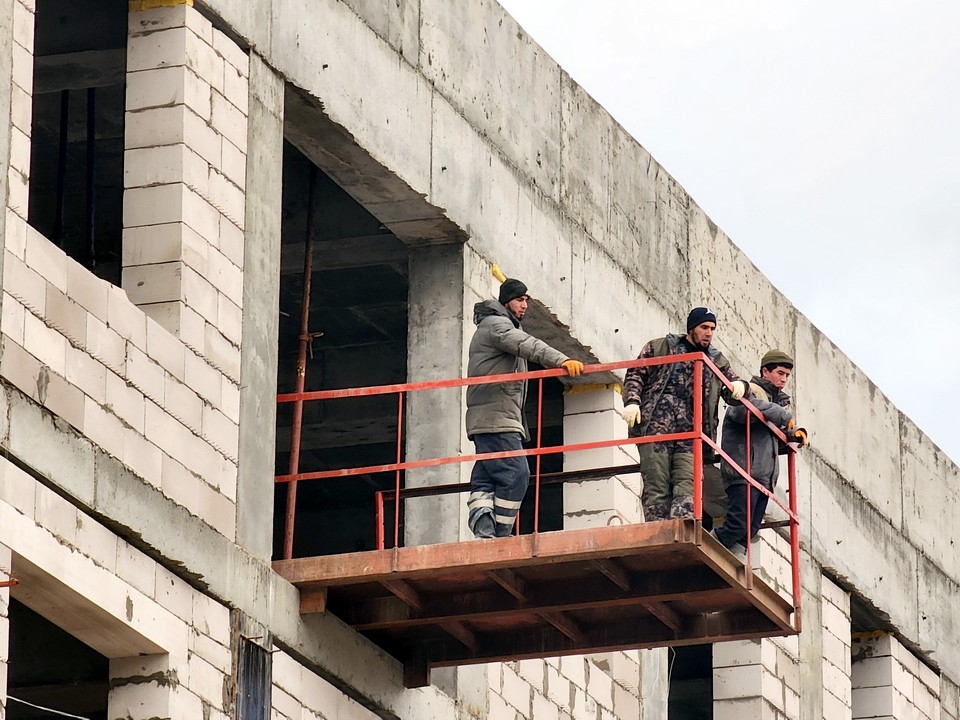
(551, 434)
(51, 668)
(358, 301)
(254, 684)
(691, 682)
(76, 163)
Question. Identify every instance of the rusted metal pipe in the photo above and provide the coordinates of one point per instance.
(301, 379)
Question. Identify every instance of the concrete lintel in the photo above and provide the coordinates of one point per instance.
(335, 151)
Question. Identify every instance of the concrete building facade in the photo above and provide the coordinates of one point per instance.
(167, 162)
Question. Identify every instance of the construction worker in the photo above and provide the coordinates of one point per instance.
(767, 396)
(495, 419)
(658, 400)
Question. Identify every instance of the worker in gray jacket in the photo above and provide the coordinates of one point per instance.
(495, 420)
(767, 396)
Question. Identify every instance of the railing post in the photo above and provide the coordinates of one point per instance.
(698, 440)
(396, 489)
(536, 493)
(794, 537)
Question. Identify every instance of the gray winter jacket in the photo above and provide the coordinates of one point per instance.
(499, 346)
(765, 446)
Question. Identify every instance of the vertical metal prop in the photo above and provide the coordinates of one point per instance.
(698, 441)
(301, 378)
(91, 175)
(62, 166)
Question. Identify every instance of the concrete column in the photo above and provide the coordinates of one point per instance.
(5, 557)
(890, 682)
(835, 619)
(434, 418)
(261, 290)
(591, 412)
(184, 176)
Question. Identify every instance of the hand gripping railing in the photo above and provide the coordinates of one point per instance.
(696, 435)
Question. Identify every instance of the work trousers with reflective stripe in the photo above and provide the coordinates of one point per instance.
(498, 486)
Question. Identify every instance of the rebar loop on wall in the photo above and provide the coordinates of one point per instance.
(305, 338)
(9, 583)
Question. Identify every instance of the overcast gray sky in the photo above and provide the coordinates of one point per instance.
(824, 138)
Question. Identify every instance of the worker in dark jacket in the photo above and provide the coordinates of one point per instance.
(658, 400)
(495, 420)
(767, 396)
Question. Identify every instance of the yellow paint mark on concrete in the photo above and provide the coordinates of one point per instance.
(137, 5)
(594, 387)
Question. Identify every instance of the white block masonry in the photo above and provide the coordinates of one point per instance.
(591, 413)
(183, 206)
(756, 678)
(835, 618)
(890, 682)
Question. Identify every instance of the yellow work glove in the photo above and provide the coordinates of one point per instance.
(739, 389)
(631, 414)
(573, 367)
(799, 436)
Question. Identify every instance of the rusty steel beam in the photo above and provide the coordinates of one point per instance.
(555, 597)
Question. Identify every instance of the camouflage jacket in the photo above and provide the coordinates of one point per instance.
(665, 392)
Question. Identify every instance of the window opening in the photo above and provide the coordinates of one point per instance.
(51, 668)
(358, 336)
(253, 682)
(76, 163)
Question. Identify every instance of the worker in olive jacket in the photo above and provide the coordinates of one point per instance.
(658, 400)
(495, 420)
(767, 396)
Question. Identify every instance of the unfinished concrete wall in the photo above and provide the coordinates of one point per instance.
(135, 422)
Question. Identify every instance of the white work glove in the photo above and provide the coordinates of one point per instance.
(739, 389)
(631, 414)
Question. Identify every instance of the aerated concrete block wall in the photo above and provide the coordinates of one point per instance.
(168, 644)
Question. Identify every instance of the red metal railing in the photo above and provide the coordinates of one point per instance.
(398, 493)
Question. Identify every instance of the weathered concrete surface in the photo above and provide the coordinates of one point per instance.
(931, 503)
(475, 55)
(435, 338)
(261, 290)
(398, 23)
(857, 544)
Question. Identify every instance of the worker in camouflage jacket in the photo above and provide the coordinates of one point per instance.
(766, 395)
(495, 420)
(658, 400)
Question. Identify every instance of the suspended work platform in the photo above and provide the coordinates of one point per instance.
(531, 596)
(546, 594)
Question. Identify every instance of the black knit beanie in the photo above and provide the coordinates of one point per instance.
(510, 290)
(700, 315)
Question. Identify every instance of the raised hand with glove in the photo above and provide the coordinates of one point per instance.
(739, 390)
(799, 436)
(631, 414)
(574, 368)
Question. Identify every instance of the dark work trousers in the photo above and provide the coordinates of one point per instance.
(732, 531)
(498, 486)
